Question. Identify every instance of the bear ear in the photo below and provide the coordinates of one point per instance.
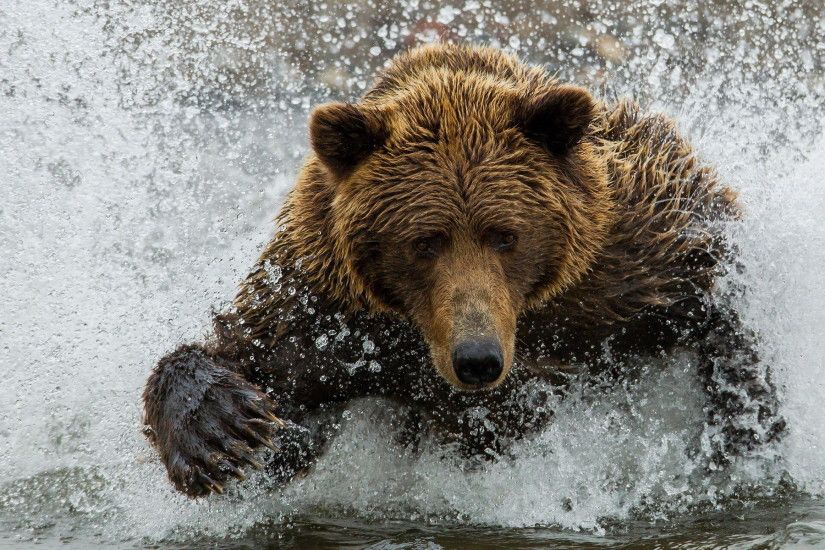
(343, 134)
(559, 117)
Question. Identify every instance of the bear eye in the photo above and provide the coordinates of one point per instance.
(502, 240)
(427, 247)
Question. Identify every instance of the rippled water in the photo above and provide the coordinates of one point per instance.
(145, 148)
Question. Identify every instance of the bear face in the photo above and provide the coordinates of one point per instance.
(461, 201)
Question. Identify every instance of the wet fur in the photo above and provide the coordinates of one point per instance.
(326, 316)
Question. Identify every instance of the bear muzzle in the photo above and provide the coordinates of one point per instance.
(470, 324)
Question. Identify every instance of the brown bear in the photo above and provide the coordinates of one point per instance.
(463, 240)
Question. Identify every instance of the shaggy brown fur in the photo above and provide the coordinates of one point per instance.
(466, 198)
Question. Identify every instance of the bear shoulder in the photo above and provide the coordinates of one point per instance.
(667, 244)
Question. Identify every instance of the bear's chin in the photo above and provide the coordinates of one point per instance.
(457, 385)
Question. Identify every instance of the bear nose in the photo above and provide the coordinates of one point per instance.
(478, 362)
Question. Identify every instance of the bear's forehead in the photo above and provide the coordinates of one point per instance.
(476, 165)
(448, 103)
(453, 140)
(438, 207)
(444, 192)
(457, 142)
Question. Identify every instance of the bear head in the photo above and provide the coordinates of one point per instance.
(459, 201)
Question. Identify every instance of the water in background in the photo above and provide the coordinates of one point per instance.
(144, 149)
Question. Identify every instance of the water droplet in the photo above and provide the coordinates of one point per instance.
(664, 39)
(368, 346)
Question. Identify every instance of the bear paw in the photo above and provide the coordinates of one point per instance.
(206, 421)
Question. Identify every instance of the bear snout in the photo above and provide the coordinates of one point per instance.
(478, 362)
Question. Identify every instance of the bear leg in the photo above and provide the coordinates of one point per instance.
(743, 410)
(300, 445)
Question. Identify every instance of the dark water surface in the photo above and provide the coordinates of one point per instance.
(788, 522)
(764, 525)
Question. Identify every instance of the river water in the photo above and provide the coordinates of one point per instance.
(144, 149)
